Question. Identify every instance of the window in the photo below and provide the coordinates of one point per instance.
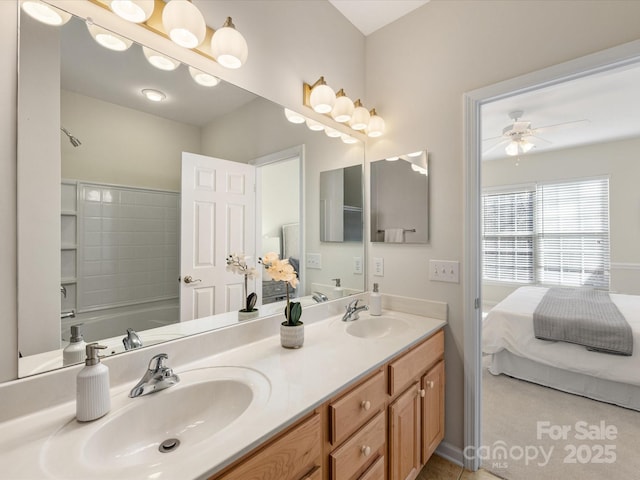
(554, 233)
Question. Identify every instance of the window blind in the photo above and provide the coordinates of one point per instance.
(508, 236)
(572, 230)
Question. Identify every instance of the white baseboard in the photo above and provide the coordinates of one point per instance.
(451, 453)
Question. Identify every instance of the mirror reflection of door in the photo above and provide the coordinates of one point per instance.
(218, 218)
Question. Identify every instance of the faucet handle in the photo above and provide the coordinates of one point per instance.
(352, 304)
(157, 362)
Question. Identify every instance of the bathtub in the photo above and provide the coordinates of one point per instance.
(112, 322)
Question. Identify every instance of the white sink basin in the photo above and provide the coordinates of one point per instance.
(376, 327)
(128, 439)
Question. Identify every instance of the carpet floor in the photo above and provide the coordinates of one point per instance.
(533, 432)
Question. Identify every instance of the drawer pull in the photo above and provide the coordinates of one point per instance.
(365, 405)
(366, 450)
(430, 383)
(422, 392)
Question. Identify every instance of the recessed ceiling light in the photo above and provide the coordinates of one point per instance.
(153, 95)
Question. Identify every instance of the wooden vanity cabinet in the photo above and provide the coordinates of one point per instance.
(384, 427)
(416, 416)
(294, 455)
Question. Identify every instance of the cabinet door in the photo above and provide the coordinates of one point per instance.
(432, 410)
(404, 435)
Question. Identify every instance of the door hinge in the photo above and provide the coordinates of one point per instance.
(476, 303)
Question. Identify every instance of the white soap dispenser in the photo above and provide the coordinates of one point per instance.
(75, 351)
(375, 301)
(92, 387)
(338, 292)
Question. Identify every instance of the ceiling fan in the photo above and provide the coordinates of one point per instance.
(520, 137)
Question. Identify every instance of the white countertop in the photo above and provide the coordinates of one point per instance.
(300, 380)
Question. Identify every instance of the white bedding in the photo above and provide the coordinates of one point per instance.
(509, 326)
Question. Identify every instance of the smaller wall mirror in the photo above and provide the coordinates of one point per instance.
(400, 199)
(341, 202)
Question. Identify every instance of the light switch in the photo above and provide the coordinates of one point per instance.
(357, 265)
(314, 260)
(444, 271)
(378, 267)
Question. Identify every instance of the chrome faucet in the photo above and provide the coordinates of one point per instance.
(353, 311)
(132, 340)
(319, 297)
(157, 377)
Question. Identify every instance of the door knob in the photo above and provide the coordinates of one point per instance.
(190, 279)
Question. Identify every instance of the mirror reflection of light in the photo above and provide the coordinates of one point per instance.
(203, 78)
(392, 159)
(414, 154)
(160, 61)
(153, 95)
(332, 132)
(45, 13)
(348, 139)
(109, 39)
(93, 195)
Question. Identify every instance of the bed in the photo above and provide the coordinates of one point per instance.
(508, 338)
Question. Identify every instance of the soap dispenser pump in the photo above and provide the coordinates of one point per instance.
(75, 351)
(337, 290)
(375, 301)
(92, 387)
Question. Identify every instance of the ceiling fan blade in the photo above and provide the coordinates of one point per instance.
(560, 125)
(496, 145)
(492, 138)
(537, 138)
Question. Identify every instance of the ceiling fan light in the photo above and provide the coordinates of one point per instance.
(526, 146)
(512, 149)
(203, 78)
(293, 117)
(45, 13)
(108, 39)
(342, 108)
(228, 46)
(322, 98)
(360, 118)
(160, 61)
(376, 126)
(136, 11)
(184, 23)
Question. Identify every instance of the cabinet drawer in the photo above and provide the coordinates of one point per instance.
(375, 471)
(293, 456)
(351, 411)
(409, 366)
(360, 449)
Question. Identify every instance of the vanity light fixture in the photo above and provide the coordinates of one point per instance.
(314, 126)
(203, 78)
(319, 96)
(360, 118)
(108, 39)
(228, 46)
(184, 23)
(160, 61)
(45, 13)
(332, 132)
(153, 95)
(376, 126)
(343, 107)
(348, 139)
(293, 117)
(136, 11)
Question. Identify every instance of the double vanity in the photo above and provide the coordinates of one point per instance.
(362, 399)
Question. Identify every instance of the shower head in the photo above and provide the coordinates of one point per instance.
(74, 141)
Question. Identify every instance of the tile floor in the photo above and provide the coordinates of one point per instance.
(437, 468)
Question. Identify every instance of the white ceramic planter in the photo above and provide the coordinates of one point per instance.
(247, 315)
(291, 336)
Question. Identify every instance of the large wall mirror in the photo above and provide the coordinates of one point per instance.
(400, 199)
(99, 173)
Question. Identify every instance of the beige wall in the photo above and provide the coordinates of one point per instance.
(617, 160)
(417, 70)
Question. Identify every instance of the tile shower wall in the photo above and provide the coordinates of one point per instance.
(128, 246)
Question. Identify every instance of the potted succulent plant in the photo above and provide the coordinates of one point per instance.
(292, 329)
(237, 263)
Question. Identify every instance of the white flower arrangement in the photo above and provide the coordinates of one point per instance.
(282, 271)
(237, 263)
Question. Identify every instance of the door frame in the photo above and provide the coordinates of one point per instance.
(616, 57)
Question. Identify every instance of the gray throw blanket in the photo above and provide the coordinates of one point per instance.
(583, 316)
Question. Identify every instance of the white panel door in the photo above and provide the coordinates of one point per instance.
(218, 218)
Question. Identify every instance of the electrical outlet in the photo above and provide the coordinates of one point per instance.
(378, 267)
(444, 271)
(357, 265)
(314, 260)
